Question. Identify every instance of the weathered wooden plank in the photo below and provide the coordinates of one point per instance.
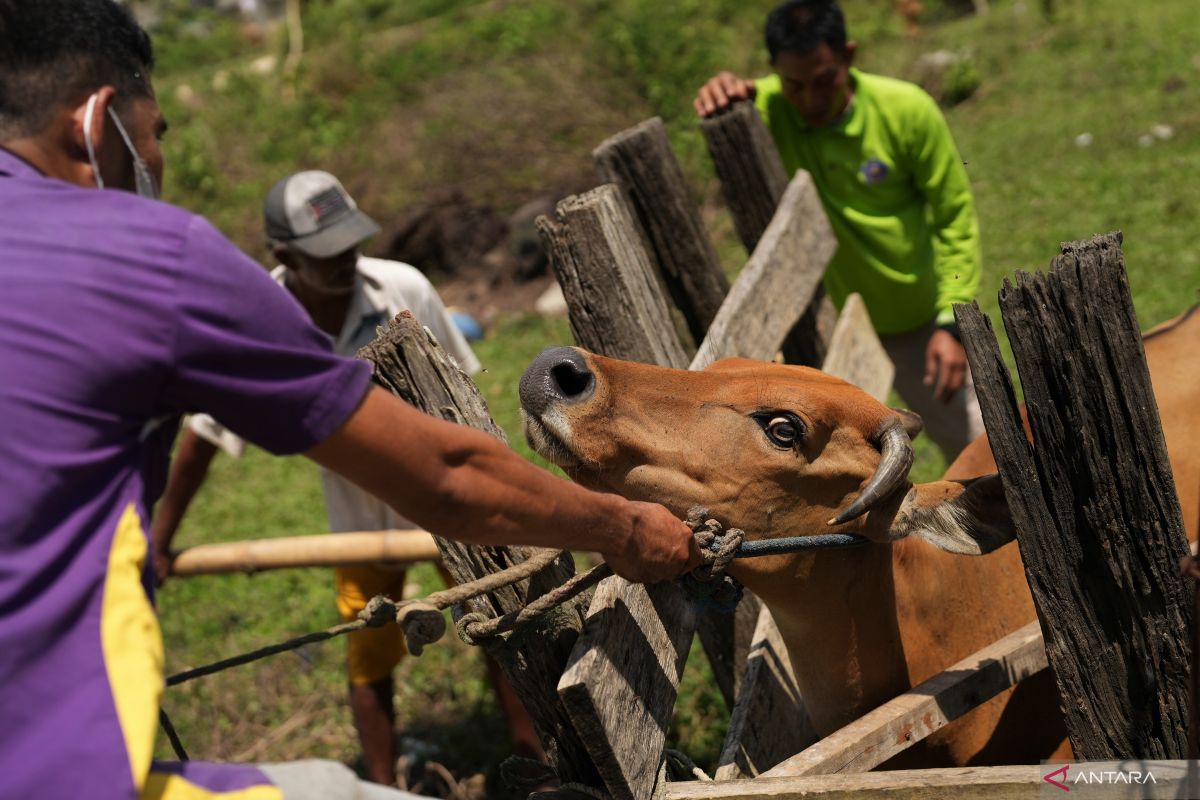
(392, 547)
(855, 353)
(1170, 780)
(1093, 500)
(617, 690)
(641, 162)
(983, 783)
(753, 181)
(769, 722)
(905, 720)
(783, 273)
(409, 363)
(608, 281)
(749, 168)
(620, 688)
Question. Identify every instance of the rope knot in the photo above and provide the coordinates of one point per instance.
(718, 547)
(422, 624)
(707, 584)
(378, 611)
(468, 621)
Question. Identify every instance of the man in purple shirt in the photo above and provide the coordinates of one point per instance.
(117, 314)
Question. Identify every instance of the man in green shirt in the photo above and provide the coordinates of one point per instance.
(897, 195)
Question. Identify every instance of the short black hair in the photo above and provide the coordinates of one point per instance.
(801, 26)
(55, 51)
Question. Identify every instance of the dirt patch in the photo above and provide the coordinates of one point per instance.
(456, 178)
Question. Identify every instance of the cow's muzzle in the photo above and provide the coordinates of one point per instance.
(559, 375)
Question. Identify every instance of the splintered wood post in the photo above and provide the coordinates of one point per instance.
(749, 167)
(623, 678)
(409, 363)
(1093, 500)
(783, 273)
(617, 307)
(753, 181)
(641, 162)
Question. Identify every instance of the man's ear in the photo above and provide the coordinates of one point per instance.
(94, 126)
(850, 51)
(969, 517)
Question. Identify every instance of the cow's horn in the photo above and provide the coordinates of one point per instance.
(895, 461)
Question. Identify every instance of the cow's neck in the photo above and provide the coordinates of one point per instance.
(837, 614)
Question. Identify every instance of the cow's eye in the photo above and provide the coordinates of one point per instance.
(784, 431)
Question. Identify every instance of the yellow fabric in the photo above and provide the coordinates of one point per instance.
(373, 653)
(132, 644)
(162, 786)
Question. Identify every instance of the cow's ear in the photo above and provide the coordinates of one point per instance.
(911, 420)
(967, 517)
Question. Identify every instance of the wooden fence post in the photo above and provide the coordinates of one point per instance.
(621, 683)
(641, 162)
(608, 281)
(784, 271)
(409, 363)
(1093, 500)
(753, 181)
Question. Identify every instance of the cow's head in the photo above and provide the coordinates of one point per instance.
(776, 450)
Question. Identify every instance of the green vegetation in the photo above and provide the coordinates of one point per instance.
(506, 99)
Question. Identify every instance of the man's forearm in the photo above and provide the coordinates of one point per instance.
(188, 471)
(463, 484)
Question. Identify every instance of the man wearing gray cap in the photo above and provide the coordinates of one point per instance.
(314, 229)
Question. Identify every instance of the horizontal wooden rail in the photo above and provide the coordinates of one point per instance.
(391, 547)
(905, 720)
(961, 783)
(1126, 778)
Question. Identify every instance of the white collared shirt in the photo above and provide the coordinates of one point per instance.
(381, 291)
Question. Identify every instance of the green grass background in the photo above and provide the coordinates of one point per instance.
(504, 98)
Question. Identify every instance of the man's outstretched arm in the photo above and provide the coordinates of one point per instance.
(188, 471)
(463, 484)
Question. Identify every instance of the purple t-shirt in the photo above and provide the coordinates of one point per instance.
(118, 314)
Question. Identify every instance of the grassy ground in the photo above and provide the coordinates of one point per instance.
(503, 98)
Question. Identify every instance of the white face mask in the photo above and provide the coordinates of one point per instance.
(146, 187)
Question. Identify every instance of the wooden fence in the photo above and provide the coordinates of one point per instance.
(600, 679)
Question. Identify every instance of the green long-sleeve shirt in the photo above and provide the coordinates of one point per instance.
(897, 196)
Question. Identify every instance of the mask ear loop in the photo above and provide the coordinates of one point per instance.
(87, 139)
(146, 186)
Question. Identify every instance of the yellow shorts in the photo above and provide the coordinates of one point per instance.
(373, 653)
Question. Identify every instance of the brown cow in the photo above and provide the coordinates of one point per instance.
(781, 450)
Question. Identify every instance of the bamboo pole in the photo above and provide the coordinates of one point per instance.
(382, 548)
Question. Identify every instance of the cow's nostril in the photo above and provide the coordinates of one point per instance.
(571, 380)
(557, 375)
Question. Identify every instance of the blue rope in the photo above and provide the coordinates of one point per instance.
(724, 594)
(798, 544)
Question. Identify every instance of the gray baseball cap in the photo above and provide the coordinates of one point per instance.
(311, 212)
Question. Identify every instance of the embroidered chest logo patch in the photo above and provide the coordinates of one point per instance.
(874, 171)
